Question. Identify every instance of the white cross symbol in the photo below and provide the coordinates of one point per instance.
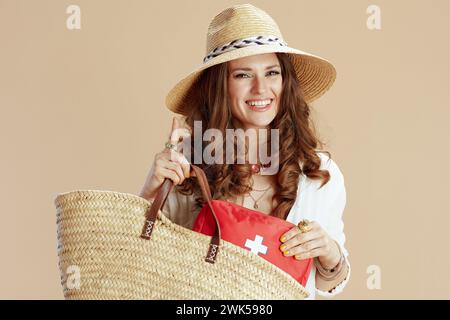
(256, 246)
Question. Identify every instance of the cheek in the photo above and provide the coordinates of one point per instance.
(236, 91)
(279, 87)
(236, 94)
(278, 90)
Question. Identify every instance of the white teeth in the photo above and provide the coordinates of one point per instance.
(259, 103)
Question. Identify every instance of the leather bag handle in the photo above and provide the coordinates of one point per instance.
(161, 196)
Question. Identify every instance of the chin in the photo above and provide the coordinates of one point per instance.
(260, 123)
(255, 120)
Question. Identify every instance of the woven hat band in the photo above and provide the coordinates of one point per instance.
(246, 42)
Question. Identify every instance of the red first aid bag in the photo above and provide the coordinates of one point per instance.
(254, 231)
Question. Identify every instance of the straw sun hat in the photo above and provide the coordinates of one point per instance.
(241, 31)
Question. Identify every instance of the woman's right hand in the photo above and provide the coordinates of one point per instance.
(168, 163)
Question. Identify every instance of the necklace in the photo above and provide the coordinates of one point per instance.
(255, 205)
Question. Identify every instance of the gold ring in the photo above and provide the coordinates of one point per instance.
(304, 226)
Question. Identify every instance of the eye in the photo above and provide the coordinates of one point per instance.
(245, 75)
(274, 72)
(241, 75)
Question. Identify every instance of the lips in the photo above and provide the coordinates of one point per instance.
(260, 108)
(259, 103)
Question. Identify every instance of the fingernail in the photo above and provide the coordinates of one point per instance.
(283, 239)
(286, 253)
(298, 257)
(283, 247)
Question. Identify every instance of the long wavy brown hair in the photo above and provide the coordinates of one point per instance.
(298, 140)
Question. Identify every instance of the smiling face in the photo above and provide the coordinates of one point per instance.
(254, 90)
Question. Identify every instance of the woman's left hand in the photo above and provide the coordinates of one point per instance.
(314, 243)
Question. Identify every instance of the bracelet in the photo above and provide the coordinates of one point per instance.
(330, 274)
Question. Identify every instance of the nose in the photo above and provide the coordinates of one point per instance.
(260, 85)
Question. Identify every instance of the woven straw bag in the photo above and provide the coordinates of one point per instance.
(124, 247)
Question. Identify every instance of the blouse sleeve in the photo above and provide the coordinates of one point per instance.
(333, 222)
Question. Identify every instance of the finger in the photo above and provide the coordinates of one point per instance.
(169, 174)
(183, 124)
(179, 122)
(295, 230)
(174, 166)
(170, 155)
(304, 247)
(174, 126)
(290, 234)
(299, 239)
(310, 254)
(185, 165)
(167, 164)
(178, 131)
(177, 157)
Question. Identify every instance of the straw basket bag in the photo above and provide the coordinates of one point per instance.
(124, 247)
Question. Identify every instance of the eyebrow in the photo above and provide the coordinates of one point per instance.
(250, 69)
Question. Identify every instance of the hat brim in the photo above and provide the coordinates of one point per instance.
(315, 74)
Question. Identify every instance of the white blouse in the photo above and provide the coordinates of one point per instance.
(325, 205)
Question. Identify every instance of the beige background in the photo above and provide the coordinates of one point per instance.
(84, 109)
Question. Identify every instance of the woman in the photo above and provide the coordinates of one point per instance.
(251, 80)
